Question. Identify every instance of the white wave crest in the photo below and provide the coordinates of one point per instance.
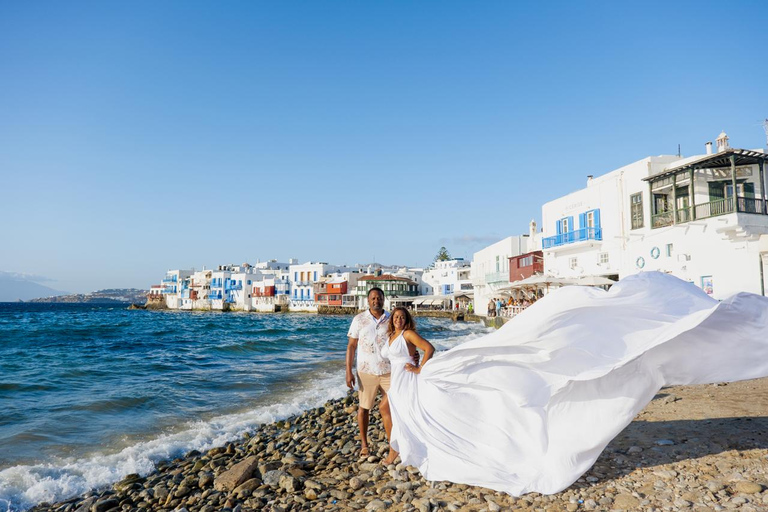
(24, 486)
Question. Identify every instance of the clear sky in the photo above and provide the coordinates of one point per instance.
(141, 136)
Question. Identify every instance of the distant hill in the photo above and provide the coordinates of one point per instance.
(109, 296)
(16, 287)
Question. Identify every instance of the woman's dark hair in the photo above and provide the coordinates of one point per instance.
(410, 323)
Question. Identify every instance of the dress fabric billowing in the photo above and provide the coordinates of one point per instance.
(529, 408)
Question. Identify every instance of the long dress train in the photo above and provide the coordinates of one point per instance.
(529, 408)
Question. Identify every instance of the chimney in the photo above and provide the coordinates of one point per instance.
(589, 179)
(532, 229)
(722, 142)
(708, 145)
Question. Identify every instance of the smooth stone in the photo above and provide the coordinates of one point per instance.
(747, 487)
(236, 475)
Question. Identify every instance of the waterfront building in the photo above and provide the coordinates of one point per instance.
(195, 290)
(302, 278)
(701, 218)
(217, 295)
(447, 277)
(172, 285)
(394, 287)
(337, 290)
(490, 270)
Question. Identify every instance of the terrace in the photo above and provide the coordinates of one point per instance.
(731, 187)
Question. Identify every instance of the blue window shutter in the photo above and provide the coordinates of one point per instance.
(597, 218)
(560, 227)
(583, 220)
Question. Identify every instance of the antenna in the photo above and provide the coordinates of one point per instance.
(765, 127)
(678, 150)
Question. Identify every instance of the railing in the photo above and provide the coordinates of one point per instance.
(214, 296)
(170, 280)
(662, 219)
(684, 215)
(229, 287)
(510, 311)
(750, 205)
(714, 208)
(577, 235)
(497, 277)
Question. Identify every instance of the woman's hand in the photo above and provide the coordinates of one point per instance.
(413, 369)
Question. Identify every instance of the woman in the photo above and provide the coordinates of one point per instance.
(530, 407)
(401, 351)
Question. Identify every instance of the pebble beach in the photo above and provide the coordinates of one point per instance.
(698, 448)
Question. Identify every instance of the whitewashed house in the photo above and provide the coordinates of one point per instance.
(173, 283)
(490, 266)
(701, 218)
(302, 279)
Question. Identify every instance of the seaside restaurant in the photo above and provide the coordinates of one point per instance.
(712, 185)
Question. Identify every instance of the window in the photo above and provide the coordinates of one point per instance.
(603, 259)
(497, 264)
(590, 219)
(565, 224)
(526, 262)
(636, 205)
(573, 262)
(670, 248)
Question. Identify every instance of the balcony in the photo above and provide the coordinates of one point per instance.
(214, 296)
(230, 287)
(577, 235)
(706, 210)
(497, 277)
(170, 280)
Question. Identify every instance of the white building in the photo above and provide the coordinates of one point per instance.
(173, 283)
(303, 277)
(490, 266)
(701, 218)
(448, 277)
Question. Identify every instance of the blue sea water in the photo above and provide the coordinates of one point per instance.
(90, 393)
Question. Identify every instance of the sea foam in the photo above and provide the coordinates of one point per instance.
(24, 486)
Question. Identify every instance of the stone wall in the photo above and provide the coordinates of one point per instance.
(336, 310)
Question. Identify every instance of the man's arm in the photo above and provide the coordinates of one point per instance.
(351, 348)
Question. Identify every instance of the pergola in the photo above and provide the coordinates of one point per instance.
(727, 164)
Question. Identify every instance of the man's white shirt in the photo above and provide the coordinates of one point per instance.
(371, 334)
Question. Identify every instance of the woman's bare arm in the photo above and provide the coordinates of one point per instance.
(414, 339)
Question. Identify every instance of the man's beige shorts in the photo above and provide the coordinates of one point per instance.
(369, 386)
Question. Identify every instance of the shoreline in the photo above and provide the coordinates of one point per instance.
(692, 448)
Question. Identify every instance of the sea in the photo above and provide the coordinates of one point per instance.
(91, 393)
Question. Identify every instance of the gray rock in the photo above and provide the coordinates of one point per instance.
(236, 475)
(422, 505)
(664, 442)
(246, 488)
(272, 478)
(104, 505)
(376, 505)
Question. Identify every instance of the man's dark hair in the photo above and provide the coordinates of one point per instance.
(375, 289)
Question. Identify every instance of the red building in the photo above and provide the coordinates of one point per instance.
(260, 290)
(526, 265)
(330, 293)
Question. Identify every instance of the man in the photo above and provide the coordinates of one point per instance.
(367, 334)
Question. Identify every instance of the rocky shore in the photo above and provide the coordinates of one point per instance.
(695, 448)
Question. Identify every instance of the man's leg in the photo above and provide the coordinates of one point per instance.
(363, 417)
(366, 397)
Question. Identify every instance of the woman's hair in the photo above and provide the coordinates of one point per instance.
(410, 323)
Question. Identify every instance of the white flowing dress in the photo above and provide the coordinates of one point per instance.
(530, 407)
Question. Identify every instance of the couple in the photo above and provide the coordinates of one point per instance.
(386, 347)
(530, 407)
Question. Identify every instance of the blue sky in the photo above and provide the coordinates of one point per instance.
(141, 136)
